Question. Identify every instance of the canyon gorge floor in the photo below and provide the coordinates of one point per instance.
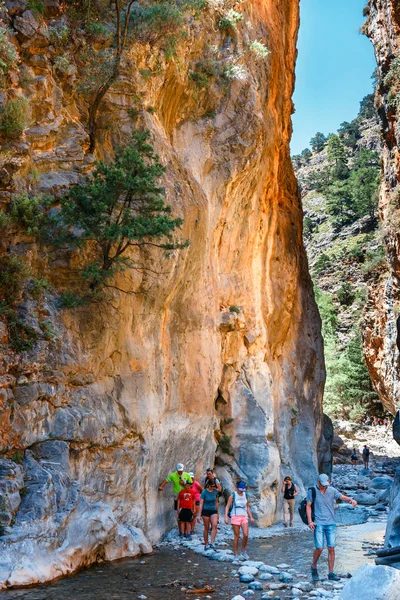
(281, 557)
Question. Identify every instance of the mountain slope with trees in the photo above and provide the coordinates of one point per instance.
(339, 180)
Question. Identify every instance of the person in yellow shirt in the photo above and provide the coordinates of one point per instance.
(177, 478)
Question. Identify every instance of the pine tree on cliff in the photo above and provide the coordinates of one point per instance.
(337, 157)
(120, 208)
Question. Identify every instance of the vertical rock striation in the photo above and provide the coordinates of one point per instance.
(382, 334)
(382, 326)
(220, 349)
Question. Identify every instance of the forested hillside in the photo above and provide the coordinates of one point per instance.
(339, 181)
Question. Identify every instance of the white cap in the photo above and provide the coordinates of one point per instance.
(323, 479)
(179, 467)
(191, 474)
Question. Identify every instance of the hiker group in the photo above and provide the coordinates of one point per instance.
(193, 501)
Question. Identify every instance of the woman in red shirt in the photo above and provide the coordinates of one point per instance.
(186, 508)
(196, 491)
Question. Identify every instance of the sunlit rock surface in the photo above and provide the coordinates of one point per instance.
(382, 325)
(221, 344)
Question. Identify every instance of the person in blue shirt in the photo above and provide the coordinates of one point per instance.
(323, 525)
(209, 512)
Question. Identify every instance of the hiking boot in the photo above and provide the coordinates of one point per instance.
(189, 537)
(206, 547)
(212, 547)
(314, 574)
(285, 524)
(333, 577)
(244, 555)
(290, 524)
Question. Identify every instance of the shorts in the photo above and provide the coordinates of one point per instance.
(239, 519)
(176, 504)
(208, 513)
(186, 515)
(325, 531)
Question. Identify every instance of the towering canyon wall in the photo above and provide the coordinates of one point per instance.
(382, 333)
(220, 341)
(382, 330)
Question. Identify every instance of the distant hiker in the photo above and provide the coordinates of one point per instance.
(209, 512)
(354, 458)
(196, 491)
(365, 455)
(211, 477)
(178, 478)
(289, 491)
(239, 511)
(186, 510)
(322, 523)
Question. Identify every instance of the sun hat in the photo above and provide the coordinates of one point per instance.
(179, 467)
(323, 479)
(241, 485)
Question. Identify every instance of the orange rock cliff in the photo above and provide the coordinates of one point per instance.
(220, 353)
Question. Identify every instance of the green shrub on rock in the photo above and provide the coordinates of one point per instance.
(14, 117)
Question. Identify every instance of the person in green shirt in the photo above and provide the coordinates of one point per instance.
(178, 479)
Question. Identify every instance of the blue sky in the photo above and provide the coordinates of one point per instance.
(334, 68)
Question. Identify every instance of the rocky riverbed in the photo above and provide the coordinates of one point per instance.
(279, 566)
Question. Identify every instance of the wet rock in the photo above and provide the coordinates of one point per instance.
(347, 515)
(392, 537)
(248, 593)
(238, 598)
(381, 483)
(246, 570)
(253, 563)
(255, 585)
(266, 576)
(277, 586)
(285, 577)
(283, 566)
(246, 578)
(373, 583)
(305, 586)
(269, 569)
(365, 499)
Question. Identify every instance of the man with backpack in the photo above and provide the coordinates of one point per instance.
(320, 510)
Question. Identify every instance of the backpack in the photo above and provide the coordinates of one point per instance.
(234, 503)
(303, 506)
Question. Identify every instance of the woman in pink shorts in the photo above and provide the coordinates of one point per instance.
(239, 514)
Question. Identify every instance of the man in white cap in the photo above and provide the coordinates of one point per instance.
(321, 501)
(178, 479)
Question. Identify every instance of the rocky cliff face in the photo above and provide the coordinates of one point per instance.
(382, 325)
(221, 349)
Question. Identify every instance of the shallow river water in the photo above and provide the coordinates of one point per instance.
(149, 576)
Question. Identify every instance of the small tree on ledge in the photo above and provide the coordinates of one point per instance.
(120, 207)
